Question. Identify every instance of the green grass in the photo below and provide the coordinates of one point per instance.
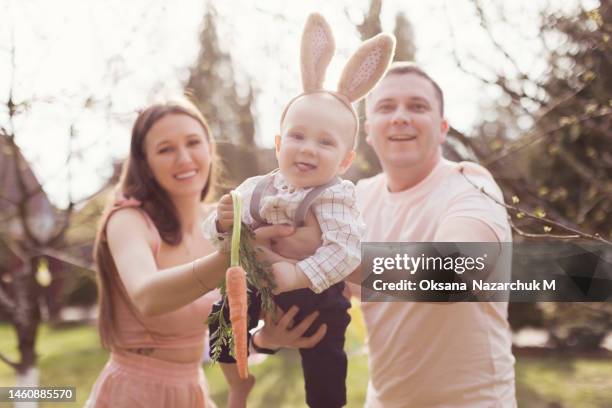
(73, 357)
(67, 357)
(570, 382)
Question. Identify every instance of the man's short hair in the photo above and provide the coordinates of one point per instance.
(405, 67)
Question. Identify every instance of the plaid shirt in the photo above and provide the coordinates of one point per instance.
(335, 210)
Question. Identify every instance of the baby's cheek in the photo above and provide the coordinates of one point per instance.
(284, 156)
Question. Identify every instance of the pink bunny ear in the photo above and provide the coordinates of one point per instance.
(316, 52)
(366, 66)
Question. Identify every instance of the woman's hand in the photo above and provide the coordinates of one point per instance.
(283, 334)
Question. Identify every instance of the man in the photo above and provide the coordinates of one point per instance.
(430, 354)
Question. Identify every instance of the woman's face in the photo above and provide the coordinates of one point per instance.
(178, 154)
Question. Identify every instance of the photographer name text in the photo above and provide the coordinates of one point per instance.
(476, 285)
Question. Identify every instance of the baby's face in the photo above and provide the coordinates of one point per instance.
(316, 143)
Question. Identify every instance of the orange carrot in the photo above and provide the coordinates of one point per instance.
(236, 289)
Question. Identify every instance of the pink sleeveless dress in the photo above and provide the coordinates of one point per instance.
(133, 380)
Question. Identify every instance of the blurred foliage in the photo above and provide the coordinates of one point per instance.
(226, 105)
(562, 381)
(560, 165)
(366, 163)
(80, 290)
(576, 326)
(79, 286)
(573, 165)
(522, 315)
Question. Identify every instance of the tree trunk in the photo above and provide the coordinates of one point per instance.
(26, 320)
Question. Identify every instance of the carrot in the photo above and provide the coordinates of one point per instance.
(236, 289)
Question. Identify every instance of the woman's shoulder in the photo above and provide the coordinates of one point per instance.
(129, 223)
(126, 218)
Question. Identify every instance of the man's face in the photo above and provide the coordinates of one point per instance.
(404, 123)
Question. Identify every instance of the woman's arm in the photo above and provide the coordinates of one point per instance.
(156, 291)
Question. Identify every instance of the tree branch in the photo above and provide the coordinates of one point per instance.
(575, 233)
(580, 169)
(468, 142)
(522, 233)
(371, 21)
(61, 256)
(499, 81)
(485, 25)
(6, 303)
(13, 364)
(538, 136)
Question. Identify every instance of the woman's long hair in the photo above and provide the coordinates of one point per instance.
(137, 182)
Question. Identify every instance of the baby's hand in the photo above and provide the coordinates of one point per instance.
(225, 213)
(288, 277)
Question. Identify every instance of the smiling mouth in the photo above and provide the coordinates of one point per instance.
(185, 175)
(302, 166)
(402, 138)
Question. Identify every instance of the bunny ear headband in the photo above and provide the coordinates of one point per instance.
(360, 74)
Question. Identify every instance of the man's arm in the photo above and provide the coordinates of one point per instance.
(465, 229)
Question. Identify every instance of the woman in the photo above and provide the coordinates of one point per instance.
(154, 267)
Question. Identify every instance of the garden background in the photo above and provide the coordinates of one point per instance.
(528, 95)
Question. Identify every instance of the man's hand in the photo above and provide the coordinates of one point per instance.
(225, 213)
(263, 242)
(301, 244)
(286, 243)
(288, 277)
(263, 235)
(283, 333)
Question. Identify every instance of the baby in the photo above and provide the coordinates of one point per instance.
(316, 144)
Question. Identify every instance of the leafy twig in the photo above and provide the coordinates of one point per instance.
(575, 233)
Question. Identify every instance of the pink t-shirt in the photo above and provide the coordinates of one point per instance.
(436, 354)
